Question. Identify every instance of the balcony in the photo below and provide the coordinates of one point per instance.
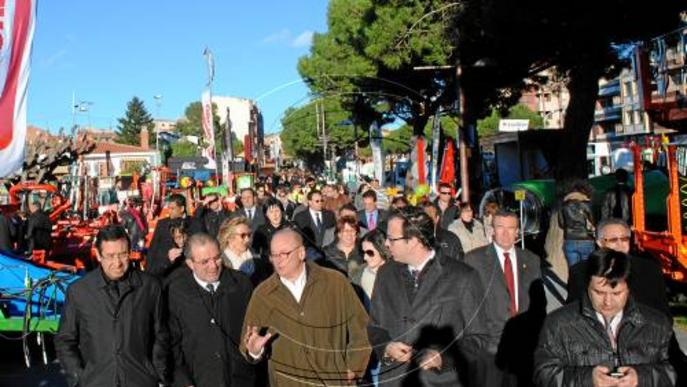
(610, 113)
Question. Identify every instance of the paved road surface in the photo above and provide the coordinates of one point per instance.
(13, 373)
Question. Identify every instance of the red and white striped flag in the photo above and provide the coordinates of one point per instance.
(17, 24)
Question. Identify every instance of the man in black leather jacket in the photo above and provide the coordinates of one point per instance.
(576, 219)
(616, 202)
(606, 338)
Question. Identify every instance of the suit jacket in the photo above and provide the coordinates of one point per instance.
(511, 343)
(205, 352)
(208, 221)
(38, 232)
(312, 234)
(258, 217)
(444, 315)
(382, 216)
(497, 303)
(101, 341)
(448, 216)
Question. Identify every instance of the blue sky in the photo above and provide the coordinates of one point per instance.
(106, 52)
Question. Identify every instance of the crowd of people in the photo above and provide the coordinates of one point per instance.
(304, 283)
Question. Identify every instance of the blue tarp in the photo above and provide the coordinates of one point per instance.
(14, 272)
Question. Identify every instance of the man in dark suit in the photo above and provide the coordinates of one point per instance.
(164, 255)
(5, 233)
(447, 206)
(112, 329)
(514, 297)
(39, 228)
(371, 217)
(209, 216)
(420, 340)
(250, 210)
(314, 221)
(447, 242)
(207, 305)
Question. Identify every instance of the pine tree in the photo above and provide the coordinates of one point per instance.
(135, 119)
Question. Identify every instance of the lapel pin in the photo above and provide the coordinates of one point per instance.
(524, 266)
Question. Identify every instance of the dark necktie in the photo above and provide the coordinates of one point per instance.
(318, 221)
(250, 215)
(415, 274)
(510, 282)
(211, 289)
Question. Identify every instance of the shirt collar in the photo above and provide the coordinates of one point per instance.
(500, 251)
(204, 284)
(423, 264)
(300, 280)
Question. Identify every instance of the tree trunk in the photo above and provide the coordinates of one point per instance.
(583, 86)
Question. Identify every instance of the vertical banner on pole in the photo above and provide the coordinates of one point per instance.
(17, 25)
(436, 134)
(208, 129)
(377, 152)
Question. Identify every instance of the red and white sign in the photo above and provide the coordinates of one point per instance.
(17, 24)
(208, 129)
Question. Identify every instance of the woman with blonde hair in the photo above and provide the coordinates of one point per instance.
(235, 238)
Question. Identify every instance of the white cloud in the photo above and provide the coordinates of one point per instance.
(278, 37)
(303, 40)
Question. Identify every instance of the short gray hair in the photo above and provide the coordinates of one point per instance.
(288, 230)
(198, 239)
(609, 222)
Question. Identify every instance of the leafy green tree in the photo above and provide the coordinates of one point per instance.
(135, 118)
(489, 126)
(191, 125)
(301, 139)
(184, 148)
(368, 56)
(578, 43)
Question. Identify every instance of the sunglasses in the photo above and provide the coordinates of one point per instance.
(369, 253)
(445, 192)
(243, 235)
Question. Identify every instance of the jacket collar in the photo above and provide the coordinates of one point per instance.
(130, 279)
(631, 313)
(313, 274)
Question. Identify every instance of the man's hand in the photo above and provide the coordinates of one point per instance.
(400, 352)
(350, 378)
(255, 344)
(431, 359)
(600, 377)
(173, 254)
(630, 379)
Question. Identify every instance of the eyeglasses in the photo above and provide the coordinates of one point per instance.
(623, 239)
(205, 262)
(369, 253)
(275, 256)
(116, 256)
(243, 235)
(445, 192)
(395, 239)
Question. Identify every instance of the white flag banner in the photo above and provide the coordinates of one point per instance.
(208, 129)
(377, 151)
(17, 24)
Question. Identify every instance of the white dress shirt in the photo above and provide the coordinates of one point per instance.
(296, 287)
(314, 215)
(615, 322)
(514, 266)
(204, 284)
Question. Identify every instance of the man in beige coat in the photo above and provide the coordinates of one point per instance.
(306, 320)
